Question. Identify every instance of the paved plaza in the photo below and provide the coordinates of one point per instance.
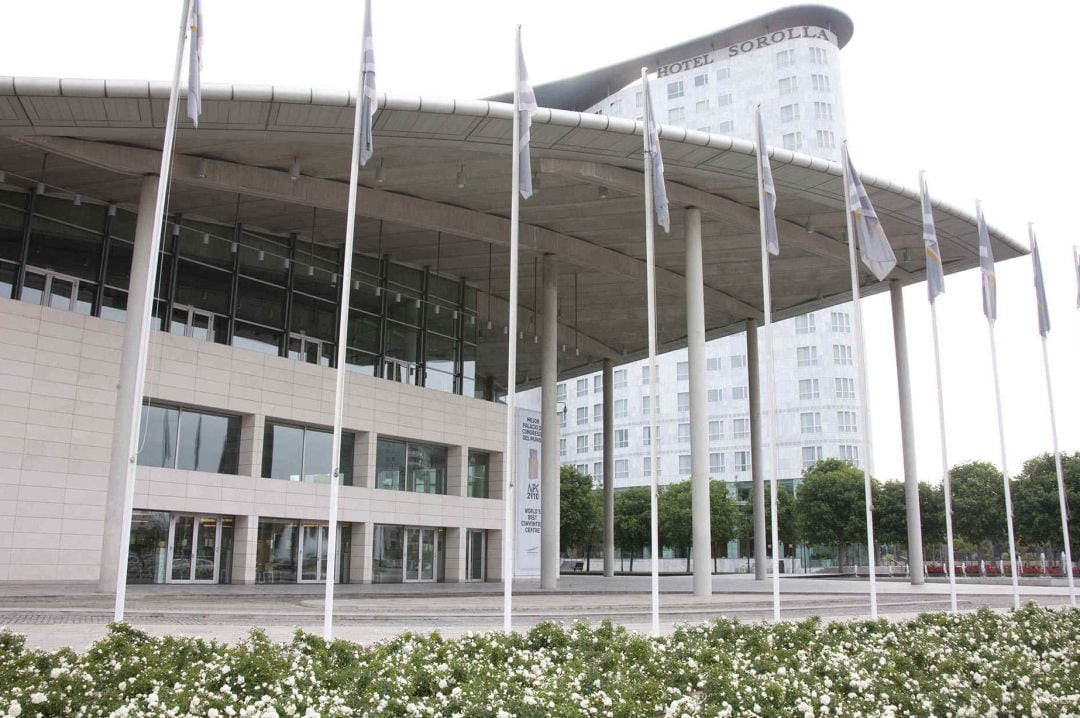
(75, 615)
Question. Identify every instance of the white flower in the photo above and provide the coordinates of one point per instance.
(38, 698)
(14, 709)
(55, 673)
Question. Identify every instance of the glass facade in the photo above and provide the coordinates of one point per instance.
(479, 468)
(408, 554)
(178, 438)
(179, 548)
(410, 466)
(292, 551)
(301, 453)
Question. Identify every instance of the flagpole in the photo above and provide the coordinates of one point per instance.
(1004, 466)
(1062, 502)
(945, 478)
(860, 348)
(654, 439)
(150, 270)
(770, 371)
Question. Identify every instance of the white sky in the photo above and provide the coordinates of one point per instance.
(975, 93)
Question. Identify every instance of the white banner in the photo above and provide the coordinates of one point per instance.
(527, 517)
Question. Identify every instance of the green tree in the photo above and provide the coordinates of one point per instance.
(831, 506)
(579, 511)
(675, 517)
(978, 502)
(890, 513)
(932, 513)
(632, 520)
(722, 516)
(1035, 500)
(788, 525)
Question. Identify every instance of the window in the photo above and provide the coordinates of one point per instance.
(742, 461)
(683, 400)
(175, 438)
(598, 442)
(59, 291)
(646, 433)
(793, 141)
(738, 361)
(738, 393)
(841, 354)
(676, 115)
(713, 364)
(823, 111)
(723, 73)
(723, 100)
(845, 388)
(598, 471)
(619, 408)
(675, 90)
(582, 468)
(622, 469)
(849, 453)
(562, 447)
(407, 466)
(619, 378)
(701, 80)
(826, 139)
(701, 107)
(716, 464)
(597, 413)
(615, 108)
(622, 438)
(682, 371)
(740, 428)
(645, 403)
(725, 127)
(810, 422)
(685, 465)
(785, 58)
(560, 392)
(639, 99)
(716, 430)
(809, 389)
(684, 434)
(810, 456)
(645, 374)
(562, 419)
(582, 387)
(789, 113)
(583, 444)
(789, 85)
(804, 324)
(582, 415)
(598, 384)
(845, 421)
(806, 356)
(818, 56)
(479, 468)
(820, 83)
(841, 322)
(716, 396)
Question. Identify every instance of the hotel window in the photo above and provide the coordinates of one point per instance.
(583, 444)
(685, 465)
(820, 83)
(582, 415)
(646, 433)
(562, 447)
(706, 129)
(408, 466)
(639, 99)
(682, 371)
(810, 456)
(845, 421)
(725, 127)
(582, 387)
(810, 422)
(723, 100)
(738, 361)
(622, 438)
(806, 356)
(676, 115)
(645, 403)
(619, 377)
(597, 413)
(479, 470)
(598, 471)
(823, 111)
(675, 90)
(715, 396)
(598, 384)
(175, 438)
(622, 469)
(560, 392)
(619, 408)
(841, 354)
(716, 430)
(809, 389)
(785, 58)
(701, 80)
(684, 433)
(683, 400)
(818, 56)
(740, 428)
(645, 375)
(723, 73)
(789, 85)
(804, 324)
(716, 464)
(793, 141)
(598, 442)
(616, 108)
(849, 453)
(701, 107)
(738, 393)
(582, 469)
(713, 364)
(789, 113)
(562, 419)
(826, 139)
(742, 461)
(841, 322)
(646, 464)
(845, 388)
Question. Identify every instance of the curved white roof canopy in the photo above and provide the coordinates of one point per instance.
(101, 136)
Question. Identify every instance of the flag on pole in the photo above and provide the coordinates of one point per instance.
(935, 273)
(526, 108)
(368, 98)
(194, 90)
(1040, 288)
(768, 189)
(874, 247)
(659, 190)
(986, 264)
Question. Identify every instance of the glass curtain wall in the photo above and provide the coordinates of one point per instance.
(179, 438)
(302, 453)
(410, 466)
(292, 551)
(408, 554)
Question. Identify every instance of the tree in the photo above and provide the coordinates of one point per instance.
(890, 513)
(932, 513)
(787, 527)
(675, 517)
(632, 520)
(831, 505)
(579, 512)
(722, 516)
(1035, 500)
(978, 502)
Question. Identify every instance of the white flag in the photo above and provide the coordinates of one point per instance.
(526, 108)
(194, 96)
(772, 239)
(986, 264)
(368, 98)
(874, 247)
(1040, 287)
(935, 273)
(659, 190)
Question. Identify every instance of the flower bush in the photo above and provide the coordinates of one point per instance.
(1024, 663)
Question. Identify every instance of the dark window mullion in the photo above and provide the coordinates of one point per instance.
(24, 251)
(283, 349)
(99, 295)
(237, 230)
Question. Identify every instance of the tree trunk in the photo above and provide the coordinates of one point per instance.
(588, 556)
(841, 551)
(688, 560)
(631, 562)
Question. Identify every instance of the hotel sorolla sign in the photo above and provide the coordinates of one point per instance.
(741, 48)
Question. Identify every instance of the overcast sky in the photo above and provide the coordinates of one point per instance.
(978, 94)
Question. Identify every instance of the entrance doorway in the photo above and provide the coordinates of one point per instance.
(475, 554)
(313, 538)
(421, 547)
(193, 548)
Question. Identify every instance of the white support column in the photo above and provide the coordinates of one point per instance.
(549, 421)
(907, 436)
(699, 407)
(609, 469)
(757, 451)
(125, 395)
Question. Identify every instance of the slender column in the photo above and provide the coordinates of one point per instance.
(125, 395)
(907, 436)
(609, 469)
(549, 426)
(699, 411)
(757, 451)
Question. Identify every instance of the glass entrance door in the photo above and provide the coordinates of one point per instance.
(474, 555)
(192, 322)
(193, 548)
(313, 538)
(421, 548)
